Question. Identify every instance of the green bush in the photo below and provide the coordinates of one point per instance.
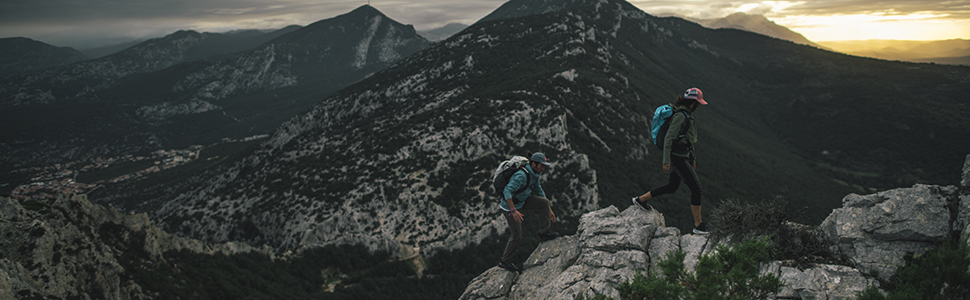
(940, 274)
(724, 274)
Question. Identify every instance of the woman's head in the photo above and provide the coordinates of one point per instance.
(685, 102)
(693, 98)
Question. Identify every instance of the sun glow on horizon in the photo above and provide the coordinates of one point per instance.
(827, 23)
(877, 25)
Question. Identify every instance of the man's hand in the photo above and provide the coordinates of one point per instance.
(517, 216)
(552, 215)
(666, 168)
(694, 165)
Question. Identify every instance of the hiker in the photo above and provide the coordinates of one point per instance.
(678, 156)
(531, 197)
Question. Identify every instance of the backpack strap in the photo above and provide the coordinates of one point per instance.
(683, 132)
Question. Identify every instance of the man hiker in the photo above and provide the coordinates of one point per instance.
(531, 197)
(678, 155)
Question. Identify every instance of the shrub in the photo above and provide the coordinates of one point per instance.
(724, 274)
(940, 274)
(743, 221)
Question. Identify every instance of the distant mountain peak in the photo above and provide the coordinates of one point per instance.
(521, 8)
(21, 55)
(754, 23)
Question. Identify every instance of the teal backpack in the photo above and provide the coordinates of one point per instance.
(661, 122)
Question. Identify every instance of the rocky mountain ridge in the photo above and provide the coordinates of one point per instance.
(163, 94)
(22, 55)
(757, 24)
(71, 248)
(873, 231)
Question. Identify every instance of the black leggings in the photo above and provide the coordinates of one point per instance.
(681, 170)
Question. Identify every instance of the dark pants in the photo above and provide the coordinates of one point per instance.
(532, 203)
(681, 170)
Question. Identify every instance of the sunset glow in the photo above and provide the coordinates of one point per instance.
(919, 26)
(822, 20)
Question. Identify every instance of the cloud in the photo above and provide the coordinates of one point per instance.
(81, 23)
(957, 9)
(76, 23)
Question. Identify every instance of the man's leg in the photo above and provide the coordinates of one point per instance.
(515, 236)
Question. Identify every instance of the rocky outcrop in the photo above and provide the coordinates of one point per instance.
(611, 246)
(820, 282)
(608, 248)
(876, 231)
(872, 232)
(72, 249)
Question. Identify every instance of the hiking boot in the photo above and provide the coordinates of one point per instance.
(642, 204)
(701, 229)
(548, 235)
(508, 266)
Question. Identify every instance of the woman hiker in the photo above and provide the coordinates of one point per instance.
(531, 198)
(678, 156)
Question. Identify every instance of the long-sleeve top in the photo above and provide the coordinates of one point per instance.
(517, 181)
(674, 144)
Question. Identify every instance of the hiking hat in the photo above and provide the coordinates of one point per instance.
(540, 158)
(696, 94)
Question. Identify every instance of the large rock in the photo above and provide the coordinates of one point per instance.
(665, 240)
(607, 249)
(876, 231)
(820, 282)
(495, 283)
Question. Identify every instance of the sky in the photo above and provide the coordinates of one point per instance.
(88, 23)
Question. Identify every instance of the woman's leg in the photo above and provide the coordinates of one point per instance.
(672, 184)
(686, 171)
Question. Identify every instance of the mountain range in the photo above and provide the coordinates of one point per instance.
(954, 52)
(754, 23)
(191, 88)
(443, 32)
(403, 157)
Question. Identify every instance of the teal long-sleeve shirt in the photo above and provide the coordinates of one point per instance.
(517, 181)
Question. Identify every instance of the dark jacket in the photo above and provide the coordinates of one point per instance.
(674, 144)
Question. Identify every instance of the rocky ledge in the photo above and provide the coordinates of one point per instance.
(873, 232)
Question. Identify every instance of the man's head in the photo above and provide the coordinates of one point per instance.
(539, 162)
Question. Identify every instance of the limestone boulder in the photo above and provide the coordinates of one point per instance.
(608, 248)
(876, 231)
(822, 282)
